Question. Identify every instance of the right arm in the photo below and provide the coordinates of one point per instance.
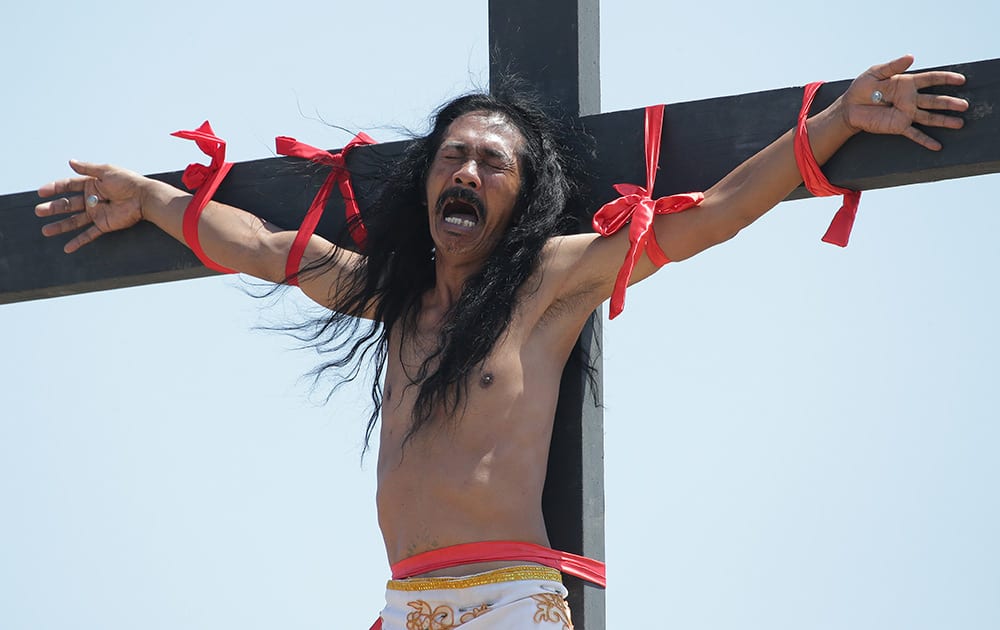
(231, 237)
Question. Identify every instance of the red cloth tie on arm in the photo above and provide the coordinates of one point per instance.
(203, 181)
(636, 205)
(816, 183)
(338, 175)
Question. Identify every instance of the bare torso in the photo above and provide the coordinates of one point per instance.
(478, 476)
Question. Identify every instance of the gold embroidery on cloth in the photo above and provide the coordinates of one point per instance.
(425, 618)
(475, 612)
(551, 607)
(507, 574)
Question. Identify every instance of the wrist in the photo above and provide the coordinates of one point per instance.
(816, 143)
(829, 130)
(156, 198)
(842, 114)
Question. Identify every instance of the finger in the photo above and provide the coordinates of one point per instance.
(922, 139)
(937, 120)
(940, 102)
(62, 205)
(63, 186)
(938, 77)
(886, 70)
(69, 224)
(82, 239)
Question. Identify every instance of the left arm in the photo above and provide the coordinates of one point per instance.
(760, 183)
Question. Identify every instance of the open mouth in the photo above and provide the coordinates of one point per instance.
(460, 207)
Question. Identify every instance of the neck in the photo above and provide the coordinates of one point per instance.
(449, 280)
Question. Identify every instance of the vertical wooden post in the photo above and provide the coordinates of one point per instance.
(555, 46)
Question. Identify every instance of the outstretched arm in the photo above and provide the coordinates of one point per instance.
(231, 237)
(591, 262)
(764, 180)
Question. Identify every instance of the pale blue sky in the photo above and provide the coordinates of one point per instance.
(798, 436)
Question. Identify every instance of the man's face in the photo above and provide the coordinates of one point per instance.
(473, 185)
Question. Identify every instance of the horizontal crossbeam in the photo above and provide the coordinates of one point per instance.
(702, 141)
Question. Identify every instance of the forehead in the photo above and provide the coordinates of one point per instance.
(484, 130)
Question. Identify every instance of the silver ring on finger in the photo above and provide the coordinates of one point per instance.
(878, 98)
(91, 201)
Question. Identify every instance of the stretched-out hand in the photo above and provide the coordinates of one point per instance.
(883, 100)
(106, 199)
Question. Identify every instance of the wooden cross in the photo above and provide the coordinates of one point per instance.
(715, 135)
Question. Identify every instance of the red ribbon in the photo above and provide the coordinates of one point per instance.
(339, 175)
(203, 181)
(636, 205)
(816, 183)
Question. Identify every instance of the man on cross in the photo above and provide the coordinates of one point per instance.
(469, 300)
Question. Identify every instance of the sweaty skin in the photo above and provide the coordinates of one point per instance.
(479, 475)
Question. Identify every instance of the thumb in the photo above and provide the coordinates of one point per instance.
(87, 168)
(889, 69)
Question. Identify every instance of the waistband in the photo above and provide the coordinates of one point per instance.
(587, 569)
(497, 576)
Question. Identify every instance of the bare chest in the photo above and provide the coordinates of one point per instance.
(516, 383)
(413, 359)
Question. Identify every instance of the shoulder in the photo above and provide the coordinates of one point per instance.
(567, 285)
(584, 266)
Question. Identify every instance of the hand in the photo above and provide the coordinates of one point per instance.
(119, 202)
(902, 104)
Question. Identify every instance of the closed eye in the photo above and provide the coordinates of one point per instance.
(501, 165)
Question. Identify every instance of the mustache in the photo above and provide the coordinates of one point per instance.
(460, 193)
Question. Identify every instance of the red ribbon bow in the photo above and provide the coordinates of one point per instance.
(203, 181)
(839, 232)
(339, 175)
(637, 205)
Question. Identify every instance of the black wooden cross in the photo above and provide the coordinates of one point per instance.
(554, 44)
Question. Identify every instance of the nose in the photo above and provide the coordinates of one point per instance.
(468, 174)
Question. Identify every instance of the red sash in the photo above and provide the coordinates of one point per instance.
(588, 569)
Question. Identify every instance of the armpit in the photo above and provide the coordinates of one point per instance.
(581, 300)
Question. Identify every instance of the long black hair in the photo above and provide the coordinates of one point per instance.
(397, 268)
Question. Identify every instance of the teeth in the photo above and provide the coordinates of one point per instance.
(460, 221)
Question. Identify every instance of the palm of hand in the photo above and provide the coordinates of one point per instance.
(118, 206)
(902, 105)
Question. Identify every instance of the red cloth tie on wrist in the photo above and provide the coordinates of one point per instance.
(636, 205)
(203, 181)
(816, 183)
(338, 175)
